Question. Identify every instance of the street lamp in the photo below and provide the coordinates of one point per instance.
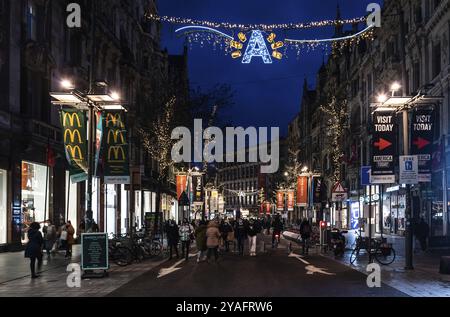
(90, 102)
(403, 104)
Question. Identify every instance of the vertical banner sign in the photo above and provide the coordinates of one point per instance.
(197, 185)
(73, 123)
(280, 200)
(384, 147)
(98, 142)
(181, 185)
(117, 166)
(302, 191)
(317, 190)
(422, 133)
(290, 200)
(214, 201)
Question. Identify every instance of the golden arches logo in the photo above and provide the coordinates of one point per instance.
(116, 150)
(115, 119)
(71, 135)
(71, 117)
(115, 135)
(73, 151)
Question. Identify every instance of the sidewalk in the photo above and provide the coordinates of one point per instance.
(15, 277)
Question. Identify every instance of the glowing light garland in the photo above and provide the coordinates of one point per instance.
(262, 27)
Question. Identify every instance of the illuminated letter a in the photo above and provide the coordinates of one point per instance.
(257, 47)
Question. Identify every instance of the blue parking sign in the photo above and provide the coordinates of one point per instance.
(366, 175)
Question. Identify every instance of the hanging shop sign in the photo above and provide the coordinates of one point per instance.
(197, 185)
(422, 135)
(318, 190)
(290, 200)
(409, 170)
(116, 166)
(98, 143)
(73, 123)
(302, 191)
(384, 148)
(181, 185)
(280, 200)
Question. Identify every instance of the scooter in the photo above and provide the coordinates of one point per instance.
(338, 241)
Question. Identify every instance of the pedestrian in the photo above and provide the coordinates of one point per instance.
(240, 234)
(305, 233)
(252, 231)
(49, 237)
(200, 240)
(225, 230)
(95, 227)
(277, 229)
(33, 249)
(70, 238)
(173, 236)
(212, 240)
(186, 235)
(422, 232)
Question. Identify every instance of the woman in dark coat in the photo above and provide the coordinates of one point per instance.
(173, 237)
(33, 250)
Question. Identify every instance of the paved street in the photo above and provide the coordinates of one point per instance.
(272, 274)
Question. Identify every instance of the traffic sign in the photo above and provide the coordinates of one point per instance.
(339, 193)
(409, 170)
(366, 172)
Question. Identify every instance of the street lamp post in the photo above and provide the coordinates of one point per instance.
(403, 104)
(91, 103)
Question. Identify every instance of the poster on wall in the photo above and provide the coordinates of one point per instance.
(116, 163)
(73, 124)
(422, 137)
(302, 191)
(384, 147)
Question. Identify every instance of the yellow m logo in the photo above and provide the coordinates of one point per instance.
(116, 150)
(71, 117)
(115, 135)
(72, 135)
(73, 151)
(115, 119)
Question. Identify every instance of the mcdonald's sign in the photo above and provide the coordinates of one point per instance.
(73, 151)
(71, 136)
(116, 167)
(114, 120)
(74, 137)
(116, 134)
(70, 117)
(116, 150)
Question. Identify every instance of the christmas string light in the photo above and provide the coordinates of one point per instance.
(262, 27)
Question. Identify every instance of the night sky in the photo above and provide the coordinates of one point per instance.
(264, 95)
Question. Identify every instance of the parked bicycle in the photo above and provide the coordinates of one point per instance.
(382, 251)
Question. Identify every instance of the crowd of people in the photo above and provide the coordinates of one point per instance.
(209, 236)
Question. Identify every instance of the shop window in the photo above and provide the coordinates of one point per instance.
(71, 205)
(123, 209)
(111, 208)
(3, 206)
(437, 59)
(35, 195)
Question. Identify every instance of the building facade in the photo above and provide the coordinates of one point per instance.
(115, 44)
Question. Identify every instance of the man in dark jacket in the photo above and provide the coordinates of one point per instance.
(277, 229)
(225, 228)
(240, 234)
(173, 236)
(422, 232)
(305, 232)
(33, 250)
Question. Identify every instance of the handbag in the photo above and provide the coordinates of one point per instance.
(64, 235)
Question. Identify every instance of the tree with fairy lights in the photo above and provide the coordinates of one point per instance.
(337, 123)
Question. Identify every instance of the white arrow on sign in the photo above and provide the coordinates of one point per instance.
(173, 268)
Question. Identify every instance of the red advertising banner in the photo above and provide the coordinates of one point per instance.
(302, 191)
(290, 200)
(268, 208)
(280, 200)
(181, 185)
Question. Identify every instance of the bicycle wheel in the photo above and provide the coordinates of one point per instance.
(385, 256)
(123, 256)
(156, 249)
(354, 255)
